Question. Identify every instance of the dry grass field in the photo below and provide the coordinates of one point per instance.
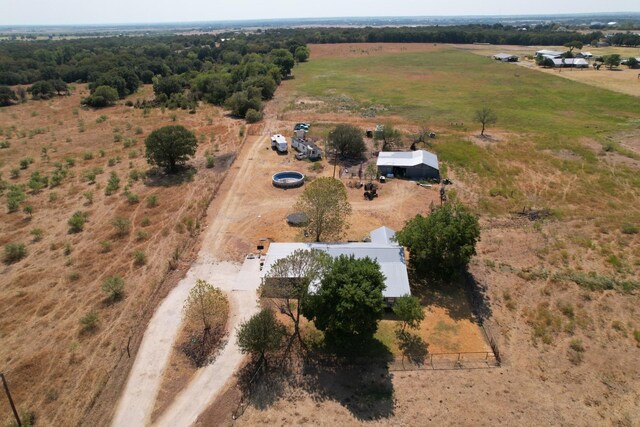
(561, 293)
(56, 366)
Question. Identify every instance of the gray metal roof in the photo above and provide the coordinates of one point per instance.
(504, 56)
(390, 257)
(407, 158)
(383, 236)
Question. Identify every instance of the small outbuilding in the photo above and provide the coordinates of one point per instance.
(505, 57)
(419, 164)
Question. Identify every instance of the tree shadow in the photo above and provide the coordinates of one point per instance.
(365, 390)
(158, 178)
(224, 162)
(413, 347)
(462, 296)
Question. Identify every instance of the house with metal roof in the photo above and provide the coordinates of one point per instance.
(419, 164)
(388, 254)
(549, 53)
(570, 62)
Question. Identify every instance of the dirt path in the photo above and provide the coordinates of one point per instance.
(138, 399)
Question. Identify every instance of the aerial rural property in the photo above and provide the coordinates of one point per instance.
(240, 215)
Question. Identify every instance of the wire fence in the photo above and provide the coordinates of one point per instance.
(436, 361)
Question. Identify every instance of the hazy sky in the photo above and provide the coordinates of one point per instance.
(24, 12)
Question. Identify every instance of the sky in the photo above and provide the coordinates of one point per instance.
(65, 12)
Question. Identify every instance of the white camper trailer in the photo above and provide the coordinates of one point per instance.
(279, 143)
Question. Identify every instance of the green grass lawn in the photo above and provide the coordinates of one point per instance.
(541, 115)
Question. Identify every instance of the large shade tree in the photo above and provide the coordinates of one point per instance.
(442, 243)
(327, 207)
(170, 146)
(347, 141)
(349, 302)
(261, 334)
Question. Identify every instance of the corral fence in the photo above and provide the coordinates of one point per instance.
(462, 360)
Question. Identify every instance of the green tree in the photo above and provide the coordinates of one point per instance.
(576, 44)
(167, 85)
(349, 302)
(347, 140)
(261, 334)
(409, 311)
(14, 252)
(302, 54)
(327, 207)
(7, 96)
(206, 305)
(612, 60)
(241, 102)
(443, 242)
(286, 284)
(103, 96)
(390, 137)
(284, 60)
(485, 116)
(170, 146)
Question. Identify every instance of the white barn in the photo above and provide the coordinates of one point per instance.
(419, 164)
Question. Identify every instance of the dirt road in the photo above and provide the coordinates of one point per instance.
(138, 399)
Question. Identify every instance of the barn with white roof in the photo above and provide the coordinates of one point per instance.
(419, 164)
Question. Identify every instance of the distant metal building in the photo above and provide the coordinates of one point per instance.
(419, 164)
(505, 57)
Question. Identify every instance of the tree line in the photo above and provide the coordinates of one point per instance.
(233, 69)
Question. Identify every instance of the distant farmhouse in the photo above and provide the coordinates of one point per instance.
(381, 248)
(417, 164)
(505, 57)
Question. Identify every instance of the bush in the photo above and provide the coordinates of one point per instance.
(142, 235)
(113, 286)
(77, 221)
(628, 228)
(210, 161)
(89, 321)
(121, 225)
(106, 246)
(37, 234)
(145, 221)
(253, 116)
(88, 155)
(113, 184)
(139, 258)
(132, 198)
(152, 201)
(14, 252)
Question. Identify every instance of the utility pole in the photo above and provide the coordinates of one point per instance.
(13, 407)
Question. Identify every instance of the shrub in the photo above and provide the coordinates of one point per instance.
(37, 234)
(67, 249)
(142, 235)
(88, 195)
(101, 119)
(106, 246)
(145, 221)
(132, 198)
(14, 173)
(210, 161)
(74, 276)
(113, 286)
(89, 321)
(121, 225)
(77, 221)
(152, 201)
(37, 182)
(14, 252)
(88, 155)
(139, 258)
(253, 116)
(113, 184)
(628, 228)
(138, 131)
(70, 161)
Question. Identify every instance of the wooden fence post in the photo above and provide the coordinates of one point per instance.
(13, 407)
